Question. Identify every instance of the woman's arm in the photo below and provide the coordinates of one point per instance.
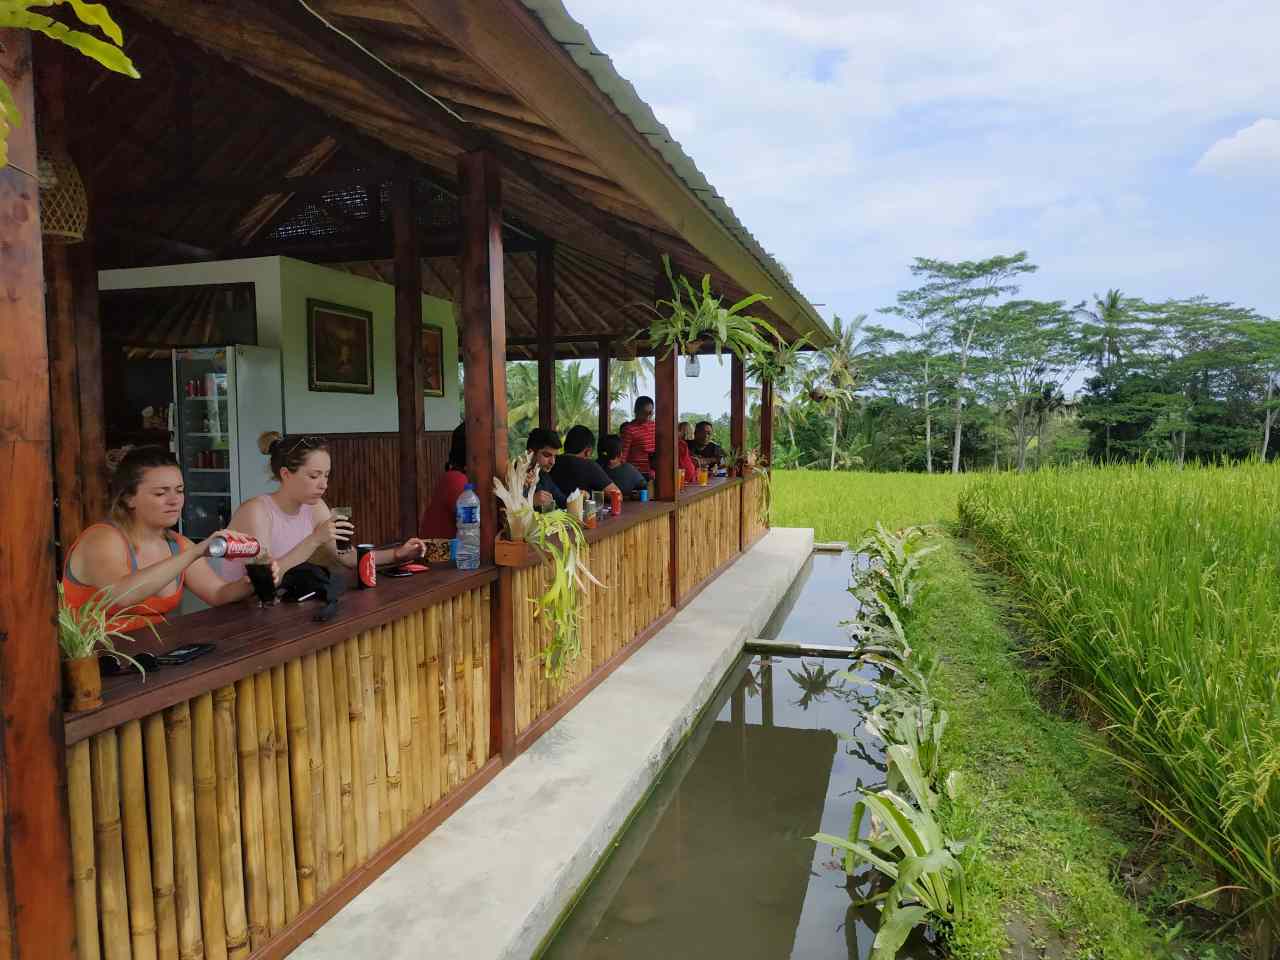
(206, 584)
(626, 442)
(101, 560)
(253, 519)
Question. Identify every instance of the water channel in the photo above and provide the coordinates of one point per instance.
(716, 863)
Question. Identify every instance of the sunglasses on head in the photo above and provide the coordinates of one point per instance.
(310, 443)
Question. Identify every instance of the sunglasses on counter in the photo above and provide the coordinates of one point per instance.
(113, 665)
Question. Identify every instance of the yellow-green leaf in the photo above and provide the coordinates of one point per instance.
(96, 15)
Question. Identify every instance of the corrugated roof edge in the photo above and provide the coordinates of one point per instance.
(577, 43)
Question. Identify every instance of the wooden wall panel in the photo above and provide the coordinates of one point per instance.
(259, 799)
(708, 535)
(633, 566)
(366, 476)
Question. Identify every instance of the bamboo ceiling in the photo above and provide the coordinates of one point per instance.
(236, 95)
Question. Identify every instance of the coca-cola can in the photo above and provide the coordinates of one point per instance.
(234, 548)
(366, 566)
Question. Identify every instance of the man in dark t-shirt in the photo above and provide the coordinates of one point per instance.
(576, 470)
(628, 478)
(705, 451)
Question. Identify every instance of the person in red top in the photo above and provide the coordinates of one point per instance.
(640, 438)
(136, 557)
(684, 459)
(439, 519)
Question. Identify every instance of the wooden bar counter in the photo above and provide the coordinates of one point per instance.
(629, 554)
(708, 521)
(228, 806)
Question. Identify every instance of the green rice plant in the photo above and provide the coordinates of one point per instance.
(1154, 589)
(88, 630)
(905, 844)
(560, 537)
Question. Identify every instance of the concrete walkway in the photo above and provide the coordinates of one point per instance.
(495, 876)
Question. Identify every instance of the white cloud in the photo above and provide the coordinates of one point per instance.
(1255, 150)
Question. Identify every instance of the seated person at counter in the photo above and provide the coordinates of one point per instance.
(704, 450)
(136, 555)
(684, 461)
(545, 444)
(294, 522)
(639, 437)
(576, 469)
(629, 480)
(439, 520)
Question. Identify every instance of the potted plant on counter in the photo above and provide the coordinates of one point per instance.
(516, 494)
(85, 633)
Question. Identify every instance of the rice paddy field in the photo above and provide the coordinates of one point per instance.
(1149, 595)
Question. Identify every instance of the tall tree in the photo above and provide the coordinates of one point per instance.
(928, 344)
(834, 377)
(959, 295)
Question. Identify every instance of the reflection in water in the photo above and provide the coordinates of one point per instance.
(717, 863)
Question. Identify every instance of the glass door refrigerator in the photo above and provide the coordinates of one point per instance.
(224, 399)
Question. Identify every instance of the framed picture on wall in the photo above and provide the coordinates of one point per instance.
(432, 361)
(339, 348)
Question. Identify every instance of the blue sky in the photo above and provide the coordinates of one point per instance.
(1132, 145)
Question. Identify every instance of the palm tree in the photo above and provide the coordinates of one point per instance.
(831, 382)
(628, 377)
(1101, 337)
(576, 396)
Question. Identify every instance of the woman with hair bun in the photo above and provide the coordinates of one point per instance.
(137, 556)
(294, 522)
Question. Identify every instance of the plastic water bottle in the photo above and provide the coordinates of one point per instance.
(468, 518)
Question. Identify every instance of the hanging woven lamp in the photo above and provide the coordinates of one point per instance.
(64, 205)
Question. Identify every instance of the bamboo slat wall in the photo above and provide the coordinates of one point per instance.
(755, 521)
(366, 476)
(635, 568)
(202, 831)
(708, 535)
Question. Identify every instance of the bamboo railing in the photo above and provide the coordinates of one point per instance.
(634, 566)
(204, 830)
(755, 522)
(707, 529)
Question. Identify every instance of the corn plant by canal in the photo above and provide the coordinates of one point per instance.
(1155, 590)
(904, 843)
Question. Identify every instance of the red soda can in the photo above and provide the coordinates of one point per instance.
(234, 548)
(366, 566)
(615, 502)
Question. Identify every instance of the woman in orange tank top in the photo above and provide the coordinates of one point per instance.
(137, 556)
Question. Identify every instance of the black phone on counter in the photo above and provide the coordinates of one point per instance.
(183, 654)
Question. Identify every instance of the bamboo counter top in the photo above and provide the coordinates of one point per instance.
(691, 493)
(633, 512)
(249, 638)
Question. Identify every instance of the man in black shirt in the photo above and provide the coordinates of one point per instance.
(544, 444)
(576, 470)
(628, 478)
(705, 451)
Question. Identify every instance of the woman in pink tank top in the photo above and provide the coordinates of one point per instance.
(294, 522)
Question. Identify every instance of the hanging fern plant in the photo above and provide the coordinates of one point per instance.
(694, 316)
(19, 14)
(559, 536)
(780, 365)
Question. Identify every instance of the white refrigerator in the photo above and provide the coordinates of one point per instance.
(224, 399)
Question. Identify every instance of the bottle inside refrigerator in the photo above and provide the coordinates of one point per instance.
(224, 398)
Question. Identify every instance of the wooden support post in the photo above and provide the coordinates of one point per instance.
(738, 434)
(93, 438)
(37, 918)
(484, 334)
(409, 387)
(60, 315)
(667, 413)
(603, 388)
(766, 423)
(546, 282)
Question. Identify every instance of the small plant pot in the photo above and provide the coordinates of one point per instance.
(82, 683)
(514, 553)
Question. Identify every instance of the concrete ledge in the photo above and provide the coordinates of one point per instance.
(495, 876)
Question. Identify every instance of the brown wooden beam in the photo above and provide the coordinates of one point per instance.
(36, 914)
(766, 423)
(409, 375)
(603, 389)
(484, 333)
(248, 188)
(88, 326)
(737, 405)
(546, 291)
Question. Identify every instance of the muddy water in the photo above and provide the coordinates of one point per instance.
(716, 863)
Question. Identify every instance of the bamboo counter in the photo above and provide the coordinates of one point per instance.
(226, 807)
(708, 531)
